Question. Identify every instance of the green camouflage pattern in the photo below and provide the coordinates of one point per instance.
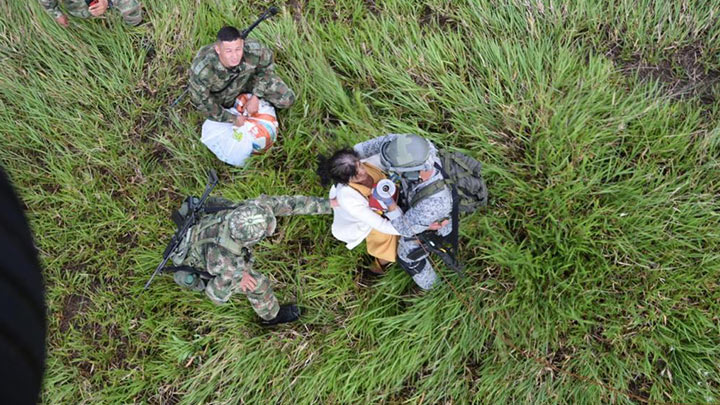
(221, 244)
(213, 87)
(220, 288)
(130, 10)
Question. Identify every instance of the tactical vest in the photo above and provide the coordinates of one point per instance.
(463, 176)
(257, 223)
(223, 238)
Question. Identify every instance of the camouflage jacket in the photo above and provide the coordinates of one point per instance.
(74, 7)
(214, 87)
(218, 238)
(130, 10)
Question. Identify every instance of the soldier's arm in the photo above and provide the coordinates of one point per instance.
(360, 210)
(419, 218)
(285, 205)
(372, 147)
(228, 269)
(51, 7)
(201, 98)
(264, 71)
(219, 288)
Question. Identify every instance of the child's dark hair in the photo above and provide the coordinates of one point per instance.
(338, 168)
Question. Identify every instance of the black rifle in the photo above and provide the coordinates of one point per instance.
(439, 245)
(267, 14)
(191, 219)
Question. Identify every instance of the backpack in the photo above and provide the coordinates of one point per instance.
(463, 172)
(463, 175)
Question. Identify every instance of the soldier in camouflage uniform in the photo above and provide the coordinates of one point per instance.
(232, 66)
(130, 10)
(221, 242)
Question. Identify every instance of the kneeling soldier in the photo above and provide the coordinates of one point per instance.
(216, 254)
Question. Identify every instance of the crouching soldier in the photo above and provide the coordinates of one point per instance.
(216, 254)
(130, 10)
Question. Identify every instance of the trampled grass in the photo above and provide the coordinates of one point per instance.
(598, 124)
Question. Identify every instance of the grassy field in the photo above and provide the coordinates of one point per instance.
(597, 121)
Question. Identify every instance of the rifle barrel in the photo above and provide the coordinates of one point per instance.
(189, 222)
(267, 14)
(158, 269)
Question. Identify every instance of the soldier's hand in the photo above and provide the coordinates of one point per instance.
(252, 105)
(63, 20)
(99, 8)
(248, 283)
(239, 120)
(437, 225)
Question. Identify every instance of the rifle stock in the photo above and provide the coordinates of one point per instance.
(435, 244)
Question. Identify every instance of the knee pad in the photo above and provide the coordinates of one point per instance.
(426, 278)
(412, 267)
(417, 254)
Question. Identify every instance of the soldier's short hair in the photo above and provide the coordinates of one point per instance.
(228, 34)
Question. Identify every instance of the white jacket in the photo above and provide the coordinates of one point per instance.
(354, 219)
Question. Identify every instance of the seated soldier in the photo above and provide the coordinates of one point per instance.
(413, 158)
(216, 255)
(222, 72)
(130, 10)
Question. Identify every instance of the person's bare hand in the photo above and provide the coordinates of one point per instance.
(437, 225)
(334, 203)
(252, 105)
(239, 120)
(63, 20)
(248, 283)
(98, 8)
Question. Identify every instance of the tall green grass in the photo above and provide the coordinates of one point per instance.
(599, 252)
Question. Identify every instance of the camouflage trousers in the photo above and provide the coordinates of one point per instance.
(130, 10)
(228, 270)
(415, 261)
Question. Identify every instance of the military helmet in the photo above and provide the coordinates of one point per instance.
(406, 154)
(250, 223)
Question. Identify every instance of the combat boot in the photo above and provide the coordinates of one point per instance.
(287, 313)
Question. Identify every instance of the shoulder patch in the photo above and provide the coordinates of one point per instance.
(251, 44)
(254, 49)
(204, 58)
(199, 67)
